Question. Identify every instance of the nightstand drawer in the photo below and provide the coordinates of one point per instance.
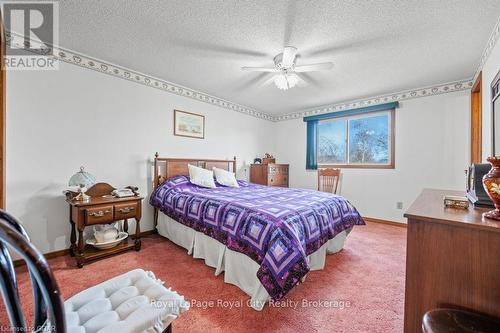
(125, 211)
(102, 214)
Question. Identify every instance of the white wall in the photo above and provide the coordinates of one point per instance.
(432, 151)
(490, 70)
(59, 120)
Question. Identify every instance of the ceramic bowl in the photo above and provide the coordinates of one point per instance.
(108, 244)
(105, 233)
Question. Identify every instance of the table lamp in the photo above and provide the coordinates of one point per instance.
(83, 180)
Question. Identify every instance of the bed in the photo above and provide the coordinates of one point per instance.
(264, 239)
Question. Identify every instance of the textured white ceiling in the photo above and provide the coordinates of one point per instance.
(377, 46)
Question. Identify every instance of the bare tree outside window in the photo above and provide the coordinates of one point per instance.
(356, 140)
(369, 140)
(332, 142)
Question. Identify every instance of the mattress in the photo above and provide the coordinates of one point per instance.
(278, 228)
(238, 269)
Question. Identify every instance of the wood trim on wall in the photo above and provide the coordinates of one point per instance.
(495, 83)
(3, 110)
(393, 223)
(476, 114)
(60, 253)
(63, 252)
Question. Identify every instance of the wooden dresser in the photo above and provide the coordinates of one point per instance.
(452, 259)
(269, 174)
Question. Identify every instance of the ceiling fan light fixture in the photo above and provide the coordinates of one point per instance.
(281, 82)
(286, 69)
(286, 81)
(293, 79)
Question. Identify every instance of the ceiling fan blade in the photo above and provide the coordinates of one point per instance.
(268, 81)
(302, 82)
(259, 69)
(314, 67)
(250, 81)
(289, 54)
(311, 80)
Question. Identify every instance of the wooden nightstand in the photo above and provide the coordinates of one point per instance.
(102, 208)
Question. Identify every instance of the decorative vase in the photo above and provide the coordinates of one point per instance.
(491, 184)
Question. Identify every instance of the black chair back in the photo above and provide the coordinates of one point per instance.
(48, 304)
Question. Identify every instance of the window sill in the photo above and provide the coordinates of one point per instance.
(357, 166)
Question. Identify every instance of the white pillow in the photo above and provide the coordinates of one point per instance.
(201, 177)
(225, 178)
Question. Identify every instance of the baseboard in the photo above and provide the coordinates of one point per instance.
(148, 233)
(394, 223)
(60, 253)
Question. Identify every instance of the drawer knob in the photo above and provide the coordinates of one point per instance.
(100, 213)
(126, 210)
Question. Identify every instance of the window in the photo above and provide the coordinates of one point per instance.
(364, 141)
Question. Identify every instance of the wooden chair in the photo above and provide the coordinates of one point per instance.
(52, 315)
(328, 180)
(458, 321)
(48, 304)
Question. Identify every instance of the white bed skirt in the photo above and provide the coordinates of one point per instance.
(239, 269)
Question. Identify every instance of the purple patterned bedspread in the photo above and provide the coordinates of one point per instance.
(276, 227)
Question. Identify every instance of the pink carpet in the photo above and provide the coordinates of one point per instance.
(363, 285)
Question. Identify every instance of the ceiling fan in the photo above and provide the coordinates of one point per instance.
(287, 76)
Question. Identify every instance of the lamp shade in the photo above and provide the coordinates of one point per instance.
(82, 179)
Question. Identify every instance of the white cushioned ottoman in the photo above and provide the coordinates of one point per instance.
(133, 302)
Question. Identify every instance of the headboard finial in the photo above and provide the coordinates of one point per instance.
(234, 158)
(157, 155)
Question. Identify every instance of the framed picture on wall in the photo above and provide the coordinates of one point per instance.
(189, 124)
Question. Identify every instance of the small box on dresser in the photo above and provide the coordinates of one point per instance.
(269, 174)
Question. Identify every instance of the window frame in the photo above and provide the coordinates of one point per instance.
(392, 139)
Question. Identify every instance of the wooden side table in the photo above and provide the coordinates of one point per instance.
(102, 208)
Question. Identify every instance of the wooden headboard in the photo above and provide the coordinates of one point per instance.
(166, 168)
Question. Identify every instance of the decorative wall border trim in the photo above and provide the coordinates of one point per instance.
(407, 94)
(84, 61)
(494, 37)
(394, 97)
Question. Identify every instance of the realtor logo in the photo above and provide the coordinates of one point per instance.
(31, 30)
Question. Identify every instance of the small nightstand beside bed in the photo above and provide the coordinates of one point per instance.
(265, 239)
